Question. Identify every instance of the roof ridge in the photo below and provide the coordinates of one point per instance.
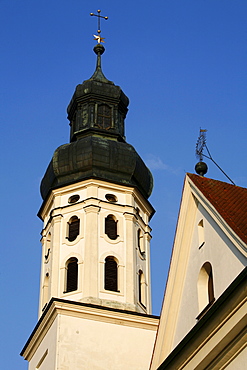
(210, 179)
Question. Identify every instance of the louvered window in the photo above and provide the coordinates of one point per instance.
(111, 227)
(72, 275)
(74, 228)
(104, 116)
(111, 274)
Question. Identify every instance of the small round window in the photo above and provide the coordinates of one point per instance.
(73, 199)
(111, 198)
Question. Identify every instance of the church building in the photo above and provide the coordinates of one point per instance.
(204, 314)
(95, 307)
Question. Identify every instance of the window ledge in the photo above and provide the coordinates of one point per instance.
(114, 292)
(202, 313)
(71, 292)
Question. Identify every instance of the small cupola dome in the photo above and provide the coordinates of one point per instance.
(98, 106)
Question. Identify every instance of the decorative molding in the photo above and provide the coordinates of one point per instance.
(86, 311)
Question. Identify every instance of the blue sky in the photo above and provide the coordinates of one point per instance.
(182, 63)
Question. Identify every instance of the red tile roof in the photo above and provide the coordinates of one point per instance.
(229, 200)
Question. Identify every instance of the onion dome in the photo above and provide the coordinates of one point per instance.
(97, 147)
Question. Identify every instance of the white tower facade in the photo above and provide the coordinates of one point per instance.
(96, 246)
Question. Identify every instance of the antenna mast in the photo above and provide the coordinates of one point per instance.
(201, 167)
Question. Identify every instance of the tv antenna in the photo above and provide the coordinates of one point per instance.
(201, 167)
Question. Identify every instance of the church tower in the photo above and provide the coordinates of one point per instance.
(96, 215)
(95, 290)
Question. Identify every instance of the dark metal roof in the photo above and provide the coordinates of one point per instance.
(99, 158)
(97, 149)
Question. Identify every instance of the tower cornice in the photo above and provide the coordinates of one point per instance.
(58, 306)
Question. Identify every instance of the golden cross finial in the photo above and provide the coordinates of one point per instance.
(98, 37)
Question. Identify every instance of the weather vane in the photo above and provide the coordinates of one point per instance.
(200, 145)
(98, 37)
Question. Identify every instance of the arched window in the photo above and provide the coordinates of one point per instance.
(111, 274)
(201, 234)
(72, 275)
(111, 227)
(142, 288)
(205, 286)
(104, 116)
(210, 285)
(73, 228)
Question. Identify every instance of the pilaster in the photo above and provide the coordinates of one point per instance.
(91, 286)
(55, 254)
(130, 258)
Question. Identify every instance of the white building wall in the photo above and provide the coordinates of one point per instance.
(45, 356)
(74, 336)
(88, 344)
(226, 261)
